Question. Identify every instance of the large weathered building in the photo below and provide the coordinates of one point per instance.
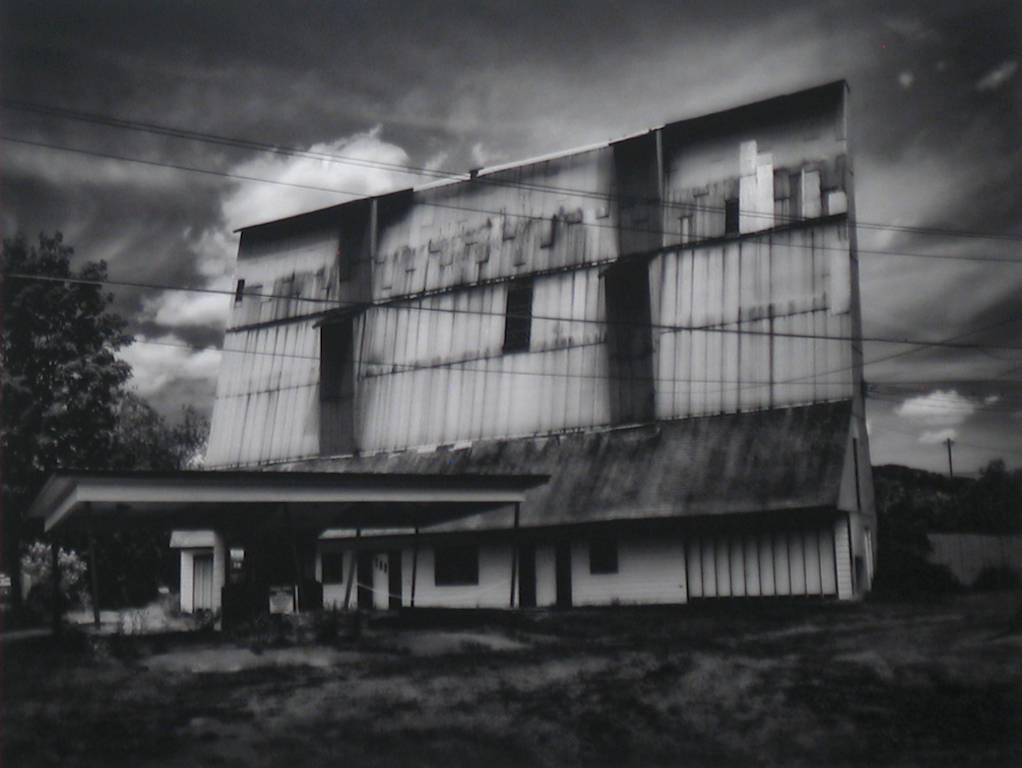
(630, 373)
(666, 325)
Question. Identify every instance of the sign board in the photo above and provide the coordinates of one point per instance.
(282, 599)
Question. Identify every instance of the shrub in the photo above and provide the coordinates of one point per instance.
(35, 564)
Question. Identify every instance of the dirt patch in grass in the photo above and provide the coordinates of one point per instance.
(810, 685)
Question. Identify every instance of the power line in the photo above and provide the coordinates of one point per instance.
(242, 143)
(649, 230)
(668, 328)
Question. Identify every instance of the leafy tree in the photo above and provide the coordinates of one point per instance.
(65, 405)
(144, 440)
(133, 563)
(60, 380)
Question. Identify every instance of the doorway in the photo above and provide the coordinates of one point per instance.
(202, 583)
(527, 575)
(364, 569)
(562, 568)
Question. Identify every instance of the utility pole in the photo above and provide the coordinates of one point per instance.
(950, 466)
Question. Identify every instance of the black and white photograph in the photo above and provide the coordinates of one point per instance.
(542, 383)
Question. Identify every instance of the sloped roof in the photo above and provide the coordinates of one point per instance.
(781, 459)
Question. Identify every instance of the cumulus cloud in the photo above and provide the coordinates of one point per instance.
(997, 76)
(316, 181)
(905, 79)
(938, 409)
(159, 361)
(189, 308)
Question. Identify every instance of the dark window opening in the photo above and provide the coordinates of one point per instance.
(795, 195)
(629, 342)
(731, 217)
(456, 565)
(239, 291)
(518, 317)
(337, 388)
(602, 556)
(333, 567)
(335, 361)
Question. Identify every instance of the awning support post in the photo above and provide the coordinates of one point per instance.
(299, 592)
(415, 562)
(351, 572)
(93, 568)
(221, 562)
(514, 557)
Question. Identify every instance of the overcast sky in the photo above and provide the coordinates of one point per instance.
(936, 131)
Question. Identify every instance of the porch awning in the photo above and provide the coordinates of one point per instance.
(242, 499)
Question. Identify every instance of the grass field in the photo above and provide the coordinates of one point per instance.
(869, 684)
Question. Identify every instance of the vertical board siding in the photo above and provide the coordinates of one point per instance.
(730, 315)
(843, 559)
(452, 382)
(770, 563)
(267, 403)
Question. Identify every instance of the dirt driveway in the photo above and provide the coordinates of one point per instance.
(872, 684)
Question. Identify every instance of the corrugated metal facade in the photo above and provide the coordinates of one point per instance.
(431, 270)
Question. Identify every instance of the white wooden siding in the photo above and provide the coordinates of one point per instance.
(649, 571)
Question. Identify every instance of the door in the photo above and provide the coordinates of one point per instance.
(364, 570)
(381, 583)
(394, 578)
(527, 575)
(562, 567)
(202, 583)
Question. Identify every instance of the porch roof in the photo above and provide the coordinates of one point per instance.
(308, 500)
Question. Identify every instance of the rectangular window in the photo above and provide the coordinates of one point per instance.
(333, 567)
(731, 217)
(337, 388)
(603, 556)
(456, 565)
(239, 291)
(795, 196)
(518, 316)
